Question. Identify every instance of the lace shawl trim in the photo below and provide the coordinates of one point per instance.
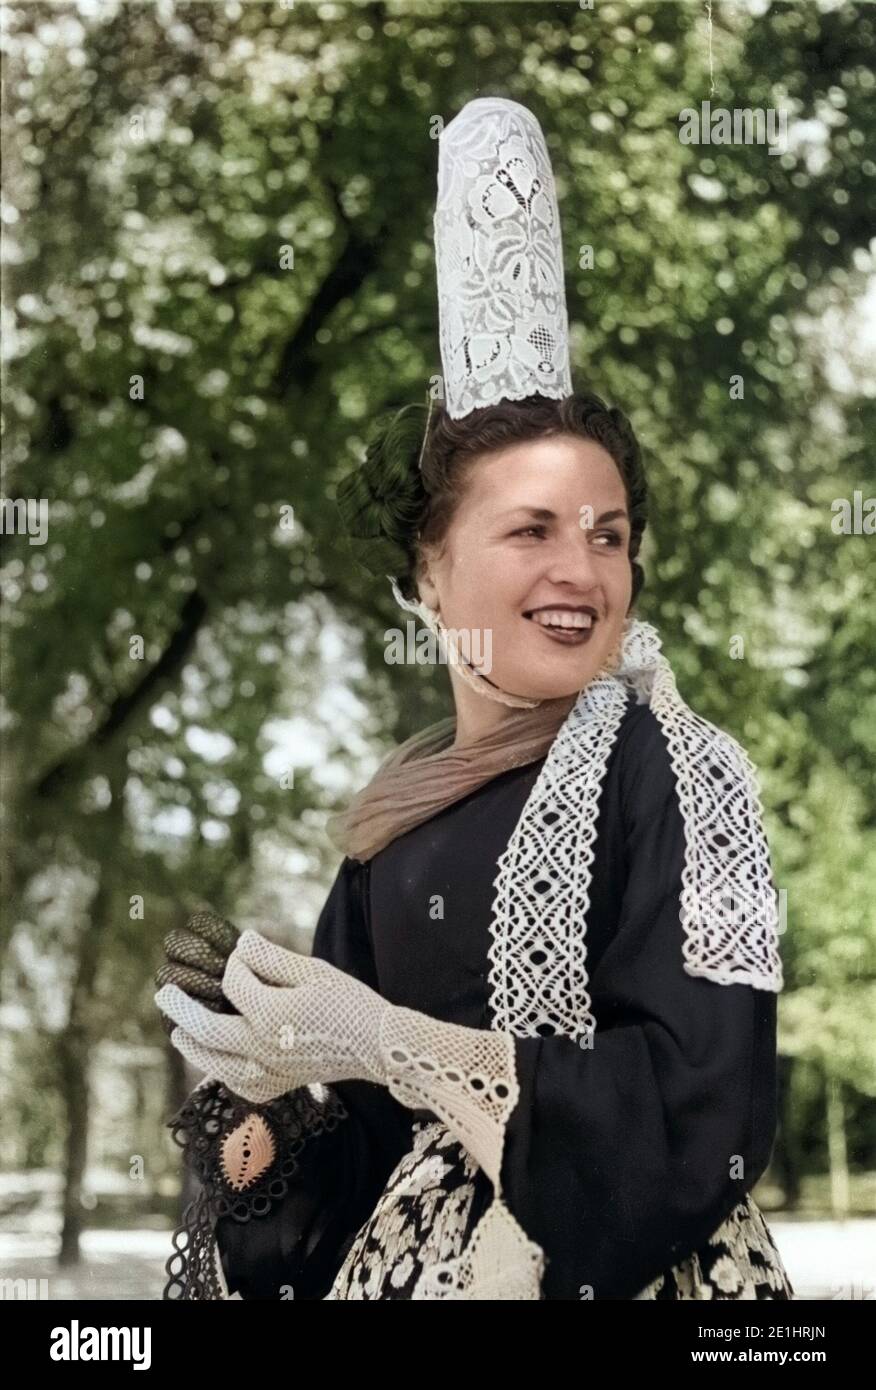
(729, 905)
(244, 1157)
(538, 956)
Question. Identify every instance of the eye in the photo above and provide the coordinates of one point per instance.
(614, 538)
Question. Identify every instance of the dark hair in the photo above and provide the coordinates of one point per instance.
(407, 491)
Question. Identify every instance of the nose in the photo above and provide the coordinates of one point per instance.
(572, 563)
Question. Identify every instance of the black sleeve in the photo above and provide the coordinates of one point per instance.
(622, 1159)
(287, 1237)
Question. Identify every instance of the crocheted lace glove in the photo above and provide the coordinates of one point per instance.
(303, 1021)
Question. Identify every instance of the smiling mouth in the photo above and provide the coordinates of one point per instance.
(570, 626)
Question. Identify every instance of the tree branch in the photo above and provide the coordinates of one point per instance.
(126, 706)
(297, 365)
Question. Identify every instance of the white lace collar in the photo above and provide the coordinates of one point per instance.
(538, 976)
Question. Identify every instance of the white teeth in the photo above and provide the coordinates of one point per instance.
(561, 617)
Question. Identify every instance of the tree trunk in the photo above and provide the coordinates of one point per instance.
(787, 1155)
(75, 1043)
(74, 1047)
(836, 1148)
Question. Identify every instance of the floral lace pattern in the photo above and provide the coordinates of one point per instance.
(499, 259)
(425, 1216)
(433, 1202)
(740, 1261)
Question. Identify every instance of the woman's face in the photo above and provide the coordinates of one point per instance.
(536, 558)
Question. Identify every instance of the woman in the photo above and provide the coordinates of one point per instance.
(544, 1045)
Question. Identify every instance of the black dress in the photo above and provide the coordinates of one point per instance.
(630, 1163)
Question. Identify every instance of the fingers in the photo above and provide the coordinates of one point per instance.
(250, 995)
(224, 1032)
(187, 978)
(243, 1075)
(206, 1061)
(218, 932)
(277, 966)
(188, 948)
(168, 1024)
(196, 956)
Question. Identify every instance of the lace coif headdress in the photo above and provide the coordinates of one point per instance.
(499, 260)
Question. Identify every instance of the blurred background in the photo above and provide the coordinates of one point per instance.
(218, 265)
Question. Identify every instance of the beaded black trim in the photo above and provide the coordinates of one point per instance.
(199, 1127)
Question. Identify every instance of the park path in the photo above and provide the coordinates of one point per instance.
(824, 1260)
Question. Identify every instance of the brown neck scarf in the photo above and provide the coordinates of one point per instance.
(426, 773)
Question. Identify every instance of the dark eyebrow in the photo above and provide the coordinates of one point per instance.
(542, 514)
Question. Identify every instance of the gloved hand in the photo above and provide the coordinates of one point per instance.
(304, 1021)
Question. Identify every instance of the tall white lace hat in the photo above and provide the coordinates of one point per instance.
(504, 329)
